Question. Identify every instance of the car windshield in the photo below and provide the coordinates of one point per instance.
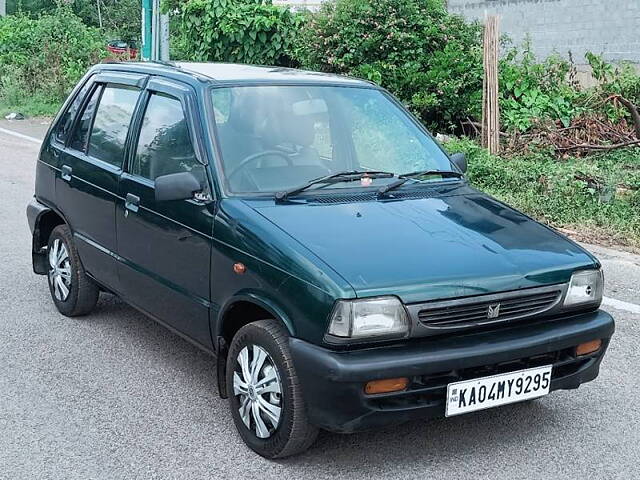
(275, 138)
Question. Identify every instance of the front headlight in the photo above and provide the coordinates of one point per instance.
(585, 287)
(372, 317)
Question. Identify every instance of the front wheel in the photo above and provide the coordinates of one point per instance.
(264, 393)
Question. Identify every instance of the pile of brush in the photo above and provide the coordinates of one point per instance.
(589, 132)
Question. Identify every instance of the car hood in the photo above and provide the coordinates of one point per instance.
(428, 248)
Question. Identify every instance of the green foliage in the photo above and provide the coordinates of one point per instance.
(600, 193)
(534, 92)
(42, 58)
(428, 58)
(239, 31)
(531, 91)
(622, 79)
(119, 19)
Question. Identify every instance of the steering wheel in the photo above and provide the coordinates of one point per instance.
(256, 156)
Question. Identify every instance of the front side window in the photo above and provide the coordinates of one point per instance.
(164, 144)
(111, 124)
(274, 138)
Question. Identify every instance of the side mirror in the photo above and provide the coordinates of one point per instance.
(460, 161)
(176, 186)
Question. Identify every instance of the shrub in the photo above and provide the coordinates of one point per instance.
(428, 58)
(120, 19)
(42, 58)
(241, 31)
(533, 91)
(614, 80)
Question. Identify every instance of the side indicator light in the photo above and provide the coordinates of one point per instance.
(239, 268)
(386, 386)
(588, 347)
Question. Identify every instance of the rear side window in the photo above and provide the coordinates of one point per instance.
(111, 124)
(164, 144)
(81, 133)
(66, 121)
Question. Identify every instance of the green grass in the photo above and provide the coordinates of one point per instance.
(32, 107)
(599, 196)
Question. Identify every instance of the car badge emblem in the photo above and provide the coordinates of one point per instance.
(493, 311)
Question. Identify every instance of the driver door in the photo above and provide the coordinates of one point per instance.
(165, 246)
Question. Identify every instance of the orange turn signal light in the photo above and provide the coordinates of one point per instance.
(386, 386)
(588, 347)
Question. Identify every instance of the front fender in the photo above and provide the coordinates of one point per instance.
(258, 298)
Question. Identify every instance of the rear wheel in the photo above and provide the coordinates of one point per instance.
(264, 393)
(72, 291)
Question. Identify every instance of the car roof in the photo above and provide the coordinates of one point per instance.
(233, 73)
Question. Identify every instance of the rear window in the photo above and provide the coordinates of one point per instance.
(111, 124)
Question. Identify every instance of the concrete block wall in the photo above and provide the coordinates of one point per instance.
(609, 27)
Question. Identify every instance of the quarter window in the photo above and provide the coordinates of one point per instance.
(111, 124)
(64, 125)
(81, 133)
(164, 144)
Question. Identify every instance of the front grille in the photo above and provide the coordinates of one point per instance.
(488, 309)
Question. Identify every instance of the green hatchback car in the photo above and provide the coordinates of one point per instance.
(307, 231)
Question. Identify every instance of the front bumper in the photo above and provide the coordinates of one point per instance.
(333, 382)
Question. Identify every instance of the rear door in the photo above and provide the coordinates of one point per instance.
(90, 163)
(165, 246)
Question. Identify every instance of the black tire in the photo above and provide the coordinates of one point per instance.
(293, 434)
(83, 291)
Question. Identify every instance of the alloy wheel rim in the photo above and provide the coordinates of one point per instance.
(256, 384)
(59, 270)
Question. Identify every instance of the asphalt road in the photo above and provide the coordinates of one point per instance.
(114, 395)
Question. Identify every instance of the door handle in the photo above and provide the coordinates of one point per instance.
(66, 173)
(132, 202)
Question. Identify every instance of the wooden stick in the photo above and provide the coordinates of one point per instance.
(490, 97)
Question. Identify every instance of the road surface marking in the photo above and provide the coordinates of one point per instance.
(20, 135)
(611, 302)
(620, 305)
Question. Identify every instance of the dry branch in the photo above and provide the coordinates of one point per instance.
(633, 110)
(585, 146)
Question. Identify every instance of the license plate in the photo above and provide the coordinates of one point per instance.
(487, 392)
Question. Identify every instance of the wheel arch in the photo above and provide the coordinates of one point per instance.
(253, 306)
(240, 310)
(42, 221)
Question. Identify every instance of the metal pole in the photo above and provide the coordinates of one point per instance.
(147, 32)
(154, 30)
(99, 13)
(3, 8)
(163, 38)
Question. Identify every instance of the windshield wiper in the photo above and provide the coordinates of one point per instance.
(402, 179)
(345, 176)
